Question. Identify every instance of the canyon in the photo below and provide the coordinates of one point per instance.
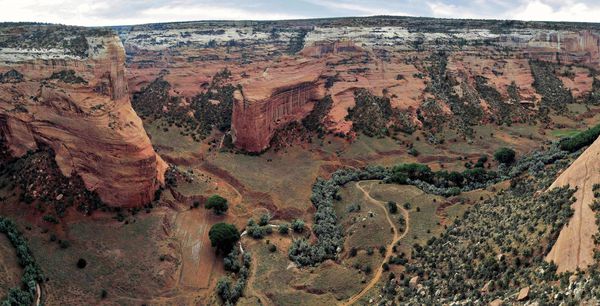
(360, 157)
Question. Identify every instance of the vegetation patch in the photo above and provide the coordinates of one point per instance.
(555, 95)
(68, 76)
(212, 108)
(466, 110)
(580, 140)
(32, 273)
(297, 42)
(473, 261)
(325, 227)
(314, 120)
(502, 112)
(11, 76)
(371, 113)
(42, 184)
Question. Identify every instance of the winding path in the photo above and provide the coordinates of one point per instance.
(388, 252)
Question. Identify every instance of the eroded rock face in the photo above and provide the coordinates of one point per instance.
(282, 95)
(86, 117)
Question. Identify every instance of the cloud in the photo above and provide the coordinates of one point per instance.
(118, 12)
(178, 13)
(358, 9)
(440, 9)
(566, 11)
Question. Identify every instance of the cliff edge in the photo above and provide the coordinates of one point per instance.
(65, 87)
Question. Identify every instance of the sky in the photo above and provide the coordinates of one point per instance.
(125, 12)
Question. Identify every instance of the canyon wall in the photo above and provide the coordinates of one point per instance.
(280, 94)
(254, 123)
(78, 104)
(389, 56)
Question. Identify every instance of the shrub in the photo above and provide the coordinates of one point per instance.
(264, 219)
(283, 229)
(217, 203)
(392, 207)
(298, 225)
(64, 244)
(232, 261)
(272, 248)
(81, 263)
(256, 232)
(505, 155)
(51, 219)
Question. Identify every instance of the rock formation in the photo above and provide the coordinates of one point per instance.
(78, 104)
(575, 245)
(280, 95)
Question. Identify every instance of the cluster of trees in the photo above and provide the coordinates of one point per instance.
(554, 93)
(580, 140)
(371, 113)
(503, 113)
(505, 155)
(229, 290)
(154, 98)
(329, 234)
(466, 109)
(313, 122)
(32, 273)
(260, 229)
(68, 76)
(441, 182)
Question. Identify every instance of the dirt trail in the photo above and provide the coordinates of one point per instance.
(575, 245)
(388, 252)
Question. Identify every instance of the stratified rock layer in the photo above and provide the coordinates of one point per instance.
(89, 122)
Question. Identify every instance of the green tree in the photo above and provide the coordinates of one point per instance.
(298, 225)
(505, 155)
(223, 236)
(218, 204)
(392, 207)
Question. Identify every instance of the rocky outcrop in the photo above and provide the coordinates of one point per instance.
(321, 48)
(268, 102)
(90, 125)
(574, 247)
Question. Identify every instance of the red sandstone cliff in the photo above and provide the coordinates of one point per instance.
(281, 95)
(90, 125)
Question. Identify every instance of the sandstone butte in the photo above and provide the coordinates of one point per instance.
(574, 247)
(91, 126)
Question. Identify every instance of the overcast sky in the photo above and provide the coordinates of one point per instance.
(121, 12)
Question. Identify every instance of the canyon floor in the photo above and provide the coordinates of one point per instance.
(162, 255)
